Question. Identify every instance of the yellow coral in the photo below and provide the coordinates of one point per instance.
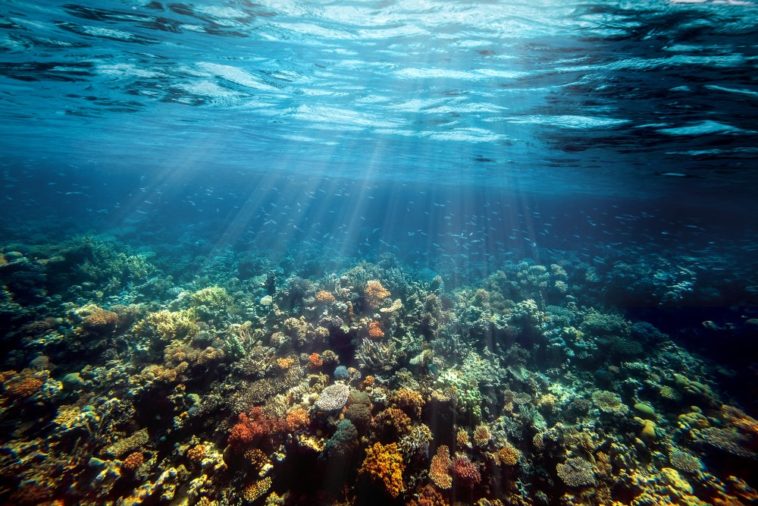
(257, 489)
(168, 325)
(508, 455)
(384, 463)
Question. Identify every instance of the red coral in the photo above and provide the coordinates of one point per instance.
(466, 471)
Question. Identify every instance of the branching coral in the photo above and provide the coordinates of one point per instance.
(167, 325)
(384, 464)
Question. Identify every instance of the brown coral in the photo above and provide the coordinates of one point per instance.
(99, 320)
(392, 420)
(384, 464)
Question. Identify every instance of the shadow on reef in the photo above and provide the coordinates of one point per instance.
(308, 383)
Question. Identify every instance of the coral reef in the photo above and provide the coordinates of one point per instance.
(369, 385)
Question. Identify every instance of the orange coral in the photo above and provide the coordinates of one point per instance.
(297, 418)
(324, 297)
(196, 453)
(409, 401)
(439, 470)
(384, 464)
(368, 381)
(508, 455)
(375, 293)
(315, 360)
(133, 461)
(257, 489)
(375, 330)
(23, 385)
(285, 363)
(253, 425)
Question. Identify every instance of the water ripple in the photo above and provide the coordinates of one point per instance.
(544, 78)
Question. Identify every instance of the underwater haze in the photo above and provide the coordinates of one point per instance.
(424, 252)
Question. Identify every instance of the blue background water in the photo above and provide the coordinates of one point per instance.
(447, 132)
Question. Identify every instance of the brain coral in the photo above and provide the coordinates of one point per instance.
(333, 397)
(576, 472)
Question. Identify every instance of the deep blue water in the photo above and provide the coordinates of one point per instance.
(618, 139)
(616, 118)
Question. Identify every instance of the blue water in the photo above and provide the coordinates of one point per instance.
(618, 139)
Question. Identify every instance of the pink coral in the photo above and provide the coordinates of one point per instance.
(466, 472)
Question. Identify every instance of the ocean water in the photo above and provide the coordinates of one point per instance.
(379, 252)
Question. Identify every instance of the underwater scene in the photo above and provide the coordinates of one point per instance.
(379, 252)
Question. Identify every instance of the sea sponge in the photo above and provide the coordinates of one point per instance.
(343, 442)
(439, 469)
(384, 464)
